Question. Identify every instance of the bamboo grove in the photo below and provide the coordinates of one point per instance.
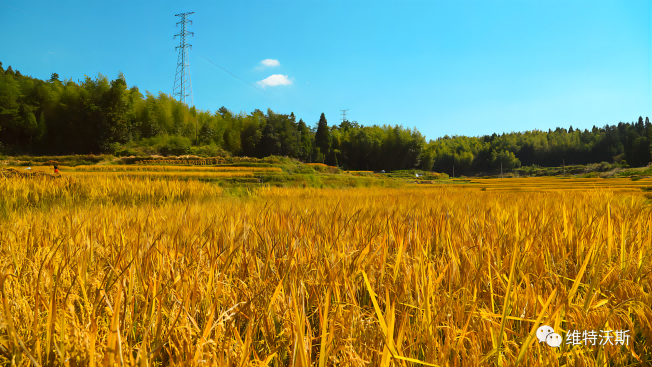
(97, 115)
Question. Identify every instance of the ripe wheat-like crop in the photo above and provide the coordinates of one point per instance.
(106, 274)
(152, 168)
(161, 175)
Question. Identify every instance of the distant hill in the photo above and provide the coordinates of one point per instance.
(99, 115)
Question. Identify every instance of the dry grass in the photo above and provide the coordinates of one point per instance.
(144, 168)
(540, 184)
(25, 173)
(362, 173)
(160, 175)
(19, 194)
(320, 167)
(302, 277)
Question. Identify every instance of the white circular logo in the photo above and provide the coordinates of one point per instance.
(543, 331)
(553, 340)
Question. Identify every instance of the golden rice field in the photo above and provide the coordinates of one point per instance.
(151, 168)
(110, 270)
(159, 175)
(553, 183)
(22, 194)
(155, 172)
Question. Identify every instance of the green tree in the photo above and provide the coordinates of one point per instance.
(62, 117)
(116, 127)
(319, 156)
(29, 123)
(323, 137)
(251, 134)
(427, 160)
(10, 125)
(41, 127)
(205, 133)
(176, 145)
(305, 140)
(270, 142)
(506, 158)
(289, 135)
(148, 125)
(336, 144)
(225, 113)
(649, 138)
(232, 141)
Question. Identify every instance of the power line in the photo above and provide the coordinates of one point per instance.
(182, 81)
(235, 76)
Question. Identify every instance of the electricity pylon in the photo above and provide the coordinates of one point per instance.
(344, 115)
(182, 82)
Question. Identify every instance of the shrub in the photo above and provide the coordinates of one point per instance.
(112, 148)
(436, 176)
(302, 169)
(208, 151)
(126, 152)
(175, 145)
(604, 166)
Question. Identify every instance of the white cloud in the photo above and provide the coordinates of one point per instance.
(274, 80)
(50, 52)
(268, 63)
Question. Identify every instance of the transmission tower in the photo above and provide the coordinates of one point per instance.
(343, 115)
(182, 82)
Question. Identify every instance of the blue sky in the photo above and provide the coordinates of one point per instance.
(445, 67)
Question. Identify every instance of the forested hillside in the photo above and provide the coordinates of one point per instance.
(629, 142)
(107, 116)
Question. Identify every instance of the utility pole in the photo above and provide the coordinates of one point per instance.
(501, 170)
(182, 82)
(343, 115)
(563, 166)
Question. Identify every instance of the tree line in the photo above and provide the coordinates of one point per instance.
(98, 115)
(625, 143)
